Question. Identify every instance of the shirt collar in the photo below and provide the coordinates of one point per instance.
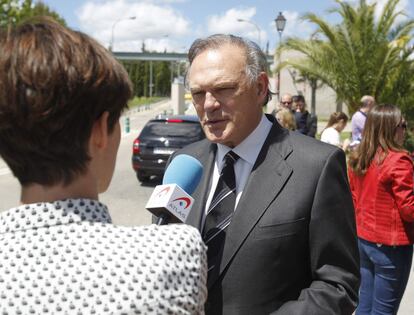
(363, 113)
(46, 214)
(249, 148)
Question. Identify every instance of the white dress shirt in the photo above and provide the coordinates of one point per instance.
(248, 151)
(66, 257)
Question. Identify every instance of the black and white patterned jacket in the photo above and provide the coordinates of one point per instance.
(66, 257)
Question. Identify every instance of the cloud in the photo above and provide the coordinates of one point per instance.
(228, 23)
(152, 24)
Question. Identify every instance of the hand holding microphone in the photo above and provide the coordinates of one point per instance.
(171, 202)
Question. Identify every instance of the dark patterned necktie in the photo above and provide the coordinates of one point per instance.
(220, 211)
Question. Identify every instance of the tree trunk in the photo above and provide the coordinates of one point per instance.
(313, 83)
(339, 106)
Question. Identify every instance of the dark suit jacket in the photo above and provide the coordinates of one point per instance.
(309, 126)
(291, 246)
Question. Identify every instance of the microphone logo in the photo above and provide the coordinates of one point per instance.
(183, 202)
(163, 192)
(170, 199)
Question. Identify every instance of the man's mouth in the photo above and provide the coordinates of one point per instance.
(215, 121)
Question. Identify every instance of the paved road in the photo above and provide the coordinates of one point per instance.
(126, 198)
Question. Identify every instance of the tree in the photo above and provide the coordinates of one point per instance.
(360, 55)
(139, 73)
(13, 12)
(305, 77)
(162, 78)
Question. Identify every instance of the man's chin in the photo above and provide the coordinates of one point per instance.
(216, 137)
(224, 140)
(214, 133)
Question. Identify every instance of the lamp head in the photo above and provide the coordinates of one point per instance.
(280, 22)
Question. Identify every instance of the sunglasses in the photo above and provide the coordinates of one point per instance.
(402, 125)
(286, 103)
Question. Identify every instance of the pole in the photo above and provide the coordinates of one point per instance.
(150, 84)
(278, 71)
(171, 71)
(257, 28)
(111, 43)
(127, 125)
(313, 84)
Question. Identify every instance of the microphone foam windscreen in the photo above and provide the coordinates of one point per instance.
(185, 171)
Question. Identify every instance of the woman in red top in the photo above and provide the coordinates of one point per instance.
(381, 179)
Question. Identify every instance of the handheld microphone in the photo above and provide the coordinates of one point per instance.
(171, 202)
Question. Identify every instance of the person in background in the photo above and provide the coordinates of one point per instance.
(306, 123)
(359, 117)
(61, 97)
(332, 132)
(381, 180)
(286, 119)
(285, 102)
(270, 248)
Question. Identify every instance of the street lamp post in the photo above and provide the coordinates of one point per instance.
(280, 26)
(257, 28)
(111, 43)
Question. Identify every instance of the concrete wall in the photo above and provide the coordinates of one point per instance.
(177, 97)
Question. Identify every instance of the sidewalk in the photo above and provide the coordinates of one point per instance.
(407, 303)
(142, 114)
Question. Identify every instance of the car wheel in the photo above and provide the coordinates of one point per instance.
(142, 177)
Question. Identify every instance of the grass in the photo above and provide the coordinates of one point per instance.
(141, 101)
(345, 135)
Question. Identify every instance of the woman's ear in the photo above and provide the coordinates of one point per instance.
(99, 135)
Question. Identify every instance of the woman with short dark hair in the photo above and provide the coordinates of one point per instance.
(381, 179)
(61, 96)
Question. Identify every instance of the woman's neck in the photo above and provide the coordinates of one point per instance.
(81, 187)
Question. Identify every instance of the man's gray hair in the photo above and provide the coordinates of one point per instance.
(367, 100)
(256, 61)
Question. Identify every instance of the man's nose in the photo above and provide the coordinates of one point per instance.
(210, 102)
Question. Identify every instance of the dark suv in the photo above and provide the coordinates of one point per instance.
(159, 138)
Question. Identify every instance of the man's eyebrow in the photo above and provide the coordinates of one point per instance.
(225, 85)
(195, 89)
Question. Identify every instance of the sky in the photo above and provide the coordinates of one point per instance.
(172, 25)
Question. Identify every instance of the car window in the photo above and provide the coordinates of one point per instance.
(163, 129)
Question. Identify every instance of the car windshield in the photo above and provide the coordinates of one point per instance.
(163, 129)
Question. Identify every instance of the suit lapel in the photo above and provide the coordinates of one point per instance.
(268, 177)
(206, 157)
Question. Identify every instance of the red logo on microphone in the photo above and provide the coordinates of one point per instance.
(163, 192)
(183, 201)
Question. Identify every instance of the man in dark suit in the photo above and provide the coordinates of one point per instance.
(276, 212)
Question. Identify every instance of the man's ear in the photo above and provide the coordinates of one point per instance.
(262, 84)
(99, 135)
